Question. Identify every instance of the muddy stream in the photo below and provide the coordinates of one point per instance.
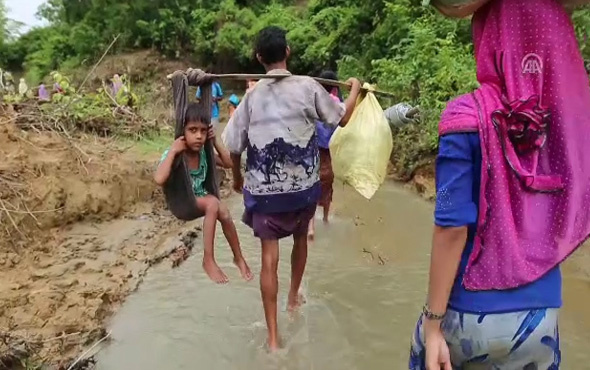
(365, 284)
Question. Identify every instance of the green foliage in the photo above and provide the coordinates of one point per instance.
(428, 67)
(75, 109)
(97, 111)
(403, 47)
(582, 24)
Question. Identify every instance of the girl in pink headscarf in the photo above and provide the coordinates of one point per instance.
(513, 185)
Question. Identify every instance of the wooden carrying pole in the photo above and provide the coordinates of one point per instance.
(323, 81)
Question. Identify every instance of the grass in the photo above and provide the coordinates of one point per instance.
(149, 146)
(154, 143)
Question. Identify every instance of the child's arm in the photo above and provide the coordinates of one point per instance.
(163, 172)
(222, 158)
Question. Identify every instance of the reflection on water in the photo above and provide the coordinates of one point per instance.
(365, 284)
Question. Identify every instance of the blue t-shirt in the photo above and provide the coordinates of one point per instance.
(197, 176)
(324, 133)
(216, 92)
(458, 168)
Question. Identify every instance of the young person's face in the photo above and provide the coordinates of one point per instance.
(195, 134)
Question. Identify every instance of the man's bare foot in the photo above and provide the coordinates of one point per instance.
(244, 269)
(214, 272)
(295, 301)
(273, 344)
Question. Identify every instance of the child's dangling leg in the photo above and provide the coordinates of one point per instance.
(229, 230)
(298, 262)
(210, 205)
(326, 212)
(269, 287)
(311, 229)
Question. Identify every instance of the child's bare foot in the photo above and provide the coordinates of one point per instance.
(311, 230)
(214, 272)
(244, 269)
(294, 302)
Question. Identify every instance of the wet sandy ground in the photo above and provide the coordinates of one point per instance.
(365, 284)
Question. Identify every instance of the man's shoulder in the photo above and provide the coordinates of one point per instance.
(304, 80)
(303, 84)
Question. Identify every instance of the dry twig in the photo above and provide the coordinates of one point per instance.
(88, 351)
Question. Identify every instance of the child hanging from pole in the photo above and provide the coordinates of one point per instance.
(276, 125)
(197, 130)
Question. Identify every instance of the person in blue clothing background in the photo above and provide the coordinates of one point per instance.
(511, 183)
(324, 134)
(217, 96)
(234, 101)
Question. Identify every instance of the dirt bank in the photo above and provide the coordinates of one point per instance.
(48, 181)
(57, 294)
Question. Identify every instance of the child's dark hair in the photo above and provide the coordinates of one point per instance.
(330, 75)
(196, 112)
(271, 45)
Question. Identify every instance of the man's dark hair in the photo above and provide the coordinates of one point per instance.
(196, 112)
(271, 45)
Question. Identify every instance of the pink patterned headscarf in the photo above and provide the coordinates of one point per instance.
(532, 113)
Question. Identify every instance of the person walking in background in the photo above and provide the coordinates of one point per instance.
(10, 88)
(58, 89)
(23, 88)
(234, 101)
(116, 85)
(43, 93)
(513, 180)
(324, 133)
(217, 96)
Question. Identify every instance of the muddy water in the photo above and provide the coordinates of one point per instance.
(365, 284)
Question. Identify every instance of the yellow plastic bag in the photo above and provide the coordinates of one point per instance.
(361, 150)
